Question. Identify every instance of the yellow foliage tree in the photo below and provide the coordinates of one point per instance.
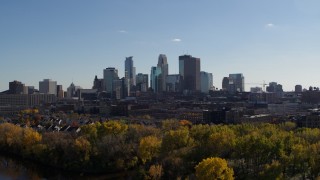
(213, 168)
(149, 147)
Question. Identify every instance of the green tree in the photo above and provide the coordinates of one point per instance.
(213, 168)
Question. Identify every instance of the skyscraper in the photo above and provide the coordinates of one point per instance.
(128, 67)
(142, 82)
(155, 79)
(109, 75)
(236, 83)
(189, 69)
(163, 64)
(47, 86)
(206, 81)
(225, 83)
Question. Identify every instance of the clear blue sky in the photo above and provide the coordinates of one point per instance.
(74, 40)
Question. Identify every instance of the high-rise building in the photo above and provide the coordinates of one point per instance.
(155, 79)
(274, 87)
(130, 70)
(173, 83)
(72, 91)
(163, 64)
(142, 82)
(298, 88)
(236, 83)
(225, 83)
(16, 87)
(60, 92)
(97, 84)
(109, 75)
(206, 81)
(189, 69)
(47, 86)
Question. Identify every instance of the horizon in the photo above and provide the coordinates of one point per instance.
(73, 41)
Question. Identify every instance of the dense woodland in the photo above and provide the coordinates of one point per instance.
(174, 150)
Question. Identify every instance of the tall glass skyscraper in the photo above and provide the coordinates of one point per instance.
(163, 64)
(130, 70)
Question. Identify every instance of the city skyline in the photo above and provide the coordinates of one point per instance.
(73, 41)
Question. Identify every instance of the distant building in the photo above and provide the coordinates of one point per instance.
(142, 82)
(236, 83)
(189, 69)
(256, 90)
(298, 88)
(72, 91)
(109, 75)
(206, 82)
(97, 84)
(163, 64)
(173, 83)
(47, 86)
(276, 88)
(155, 79)
(16, 87)
(131, 70)
(60, 92)
(225, 83)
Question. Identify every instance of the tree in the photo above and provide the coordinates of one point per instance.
(213, 168)
(149, 147)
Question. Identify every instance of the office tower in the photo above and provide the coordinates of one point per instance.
(163, 64)
(97, 84)
(189, 69)
(73, 91)
(60, 92)
(274, 87)
(142, 82)
(236, 83)
(16, 87)
(206, 81)
(30, 89)
(155, 79)
(225, 83)
(130, 70)
(109, 75)
(47, 86)
(173, 83)
(298, 88)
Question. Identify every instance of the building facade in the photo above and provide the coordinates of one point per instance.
(236, 83)
(155, 79)
(47, 86)
(109, 75)
(189, 69)
(130, 70)
(163, 64)
(142, 82)
(206, 82)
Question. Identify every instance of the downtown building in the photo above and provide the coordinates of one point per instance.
(189, 70)
(206, 82)
(47, 86)
(236, 83)
(130, 71)
(142, 82)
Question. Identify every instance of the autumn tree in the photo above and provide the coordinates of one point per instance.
(213, 168)
(149, 147)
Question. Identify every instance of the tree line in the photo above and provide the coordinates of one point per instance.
(174, 150)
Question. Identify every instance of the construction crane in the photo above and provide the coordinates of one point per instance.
(263, 84)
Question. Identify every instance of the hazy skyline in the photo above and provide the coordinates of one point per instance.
(74, 40)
